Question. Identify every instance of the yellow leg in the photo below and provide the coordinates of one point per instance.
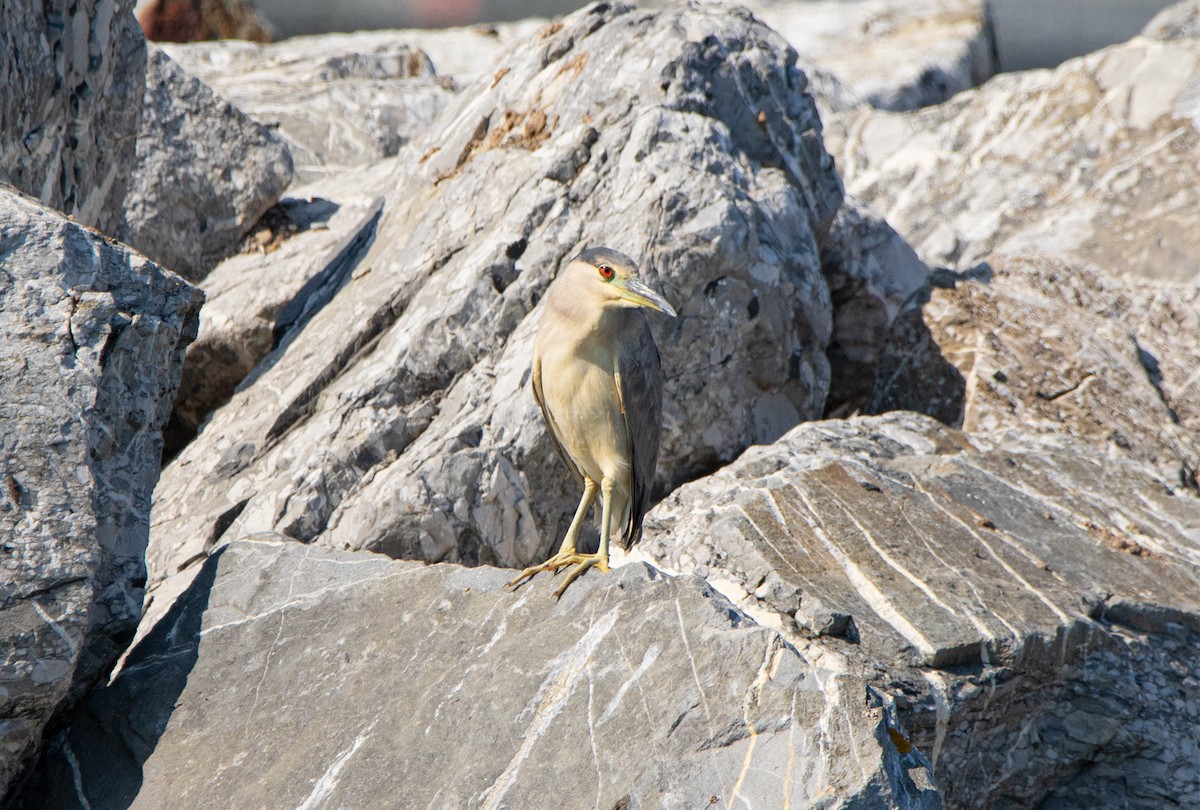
(600, 558)
(566, 554)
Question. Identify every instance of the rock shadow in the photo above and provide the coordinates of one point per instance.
(96, 761)
(913, 374)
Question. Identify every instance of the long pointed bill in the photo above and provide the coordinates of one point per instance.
(639, 293)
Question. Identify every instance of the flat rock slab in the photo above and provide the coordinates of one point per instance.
(895, 54)
(400, 419)
(205, 172)
(92, 337)
(1104, 359)
(1096, 160)
(71, 82)
(339, 101)
(290, 676)
(1036, 604)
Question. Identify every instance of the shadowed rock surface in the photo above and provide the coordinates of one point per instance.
(400, 420)
(1109, 361)
(634, 691)
(91, 344)
(872, 272)
(1094, 161)
(1033, 606)
(339, 101)
(205, 173)
(71, 78)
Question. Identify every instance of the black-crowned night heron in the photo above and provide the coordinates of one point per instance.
(597, 378)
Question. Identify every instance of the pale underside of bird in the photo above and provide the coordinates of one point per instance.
(598, 380)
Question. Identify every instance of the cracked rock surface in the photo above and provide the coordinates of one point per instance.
(92, 338)
(634, 691)
(1033, 606)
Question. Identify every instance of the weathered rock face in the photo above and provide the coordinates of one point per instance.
(897, 55)
(339, 101)
(71, 78)
(254, 299)
(399, 419)
(1095, 160)
(635, 691)
(1180, 21)
(1035, 605)
(91, 344)
(871, 272)
(205, 173)
(1108, 361)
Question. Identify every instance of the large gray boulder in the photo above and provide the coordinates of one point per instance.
(296, 677)
(205, 173)
(895, 54)
(1096, 160)
(399, 419)
(339, 101)
(1109, 361)
(71, 79)
(92, 338)
(1034, 608)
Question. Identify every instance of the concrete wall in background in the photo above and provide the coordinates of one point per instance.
(1031, 33)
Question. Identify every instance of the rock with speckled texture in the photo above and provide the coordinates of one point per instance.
(92, 338)
(306, 677)
(71, 79)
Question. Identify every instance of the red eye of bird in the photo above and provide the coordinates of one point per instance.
(606, 272)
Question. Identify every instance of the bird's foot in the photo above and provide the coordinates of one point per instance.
(561, 560)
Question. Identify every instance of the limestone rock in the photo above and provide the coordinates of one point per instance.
(1180, 21)
(205, 173)
(339, 100)
(91, 343)
(872, 272)
(1038, 344)
(348, 680)
(897, 54)
(1033, 607)
(255, 298)
(71, 80)
(400, 420)
(1096, 160)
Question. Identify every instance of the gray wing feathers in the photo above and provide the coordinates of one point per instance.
(553, 428)
(640, 373)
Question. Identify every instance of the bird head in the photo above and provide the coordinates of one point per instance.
(610, 277)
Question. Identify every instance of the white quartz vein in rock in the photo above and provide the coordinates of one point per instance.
(329, 780)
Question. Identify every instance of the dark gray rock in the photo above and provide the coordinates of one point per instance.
(298, 677)
(92, 338)
(399, 419)
(71, 79)
(339, 101)
(205, 173)
(1032, 607)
